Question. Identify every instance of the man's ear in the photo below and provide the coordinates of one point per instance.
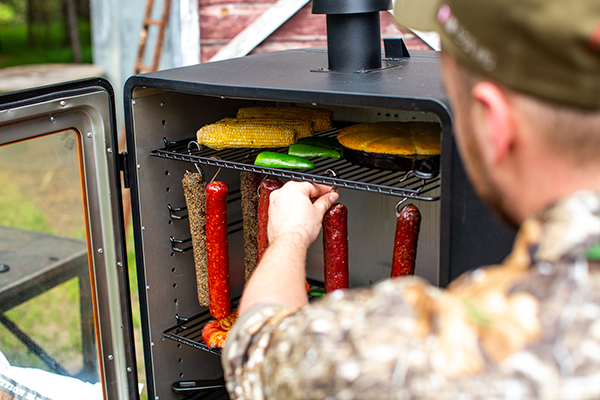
(491, 113)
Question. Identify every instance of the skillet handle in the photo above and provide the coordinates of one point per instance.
(426, 168)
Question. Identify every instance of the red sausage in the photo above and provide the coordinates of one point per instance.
(217, 250)
(405, 241)
(335, 247)
(262, 238)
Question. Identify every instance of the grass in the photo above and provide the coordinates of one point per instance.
(15, 49)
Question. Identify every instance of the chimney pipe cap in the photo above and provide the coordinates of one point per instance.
(349, 6)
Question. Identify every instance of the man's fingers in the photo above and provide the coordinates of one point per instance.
(313, 190)
(322, 196)
(325, 201)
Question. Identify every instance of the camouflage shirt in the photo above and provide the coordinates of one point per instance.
(526, 329)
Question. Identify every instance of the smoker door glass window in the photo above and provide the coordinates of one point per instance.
(46, 312)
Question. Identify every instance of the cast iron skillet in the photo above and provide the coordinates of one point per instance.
(422, 167)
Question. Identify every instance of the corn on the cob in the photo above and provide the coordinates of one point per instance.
(322, 118)
(227, 135)
(303, 128)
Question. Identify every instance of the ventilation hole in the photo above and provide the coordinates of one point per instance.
(175, 301)
(172, 269)
(178, 346)
(181, 375)
(167, 173)
(164, 122)
(172, 254)
(170, 222)
(180, 360)
(168, 189)
(174, 285)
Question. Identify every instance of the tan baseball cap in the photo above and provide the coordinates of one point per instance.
(547, 48)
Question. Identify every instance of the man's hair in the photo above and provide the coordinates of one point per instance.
(567, 130)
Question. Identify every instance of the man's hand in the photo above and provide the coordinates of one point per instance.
(295, 216)
(297, 209)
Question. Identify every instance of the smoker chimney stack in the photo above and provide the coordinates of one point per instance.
(353, 33)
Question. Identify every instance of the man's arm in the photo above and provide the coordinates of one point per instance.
(295, 216)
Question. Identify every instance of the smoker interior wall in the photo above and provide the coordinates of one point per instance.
(371, 229)
(170, 276)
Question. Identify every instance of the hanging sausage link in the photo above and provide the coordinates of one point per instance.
(249, 183)
(266, 187)
(405, 241)
(335, 247)
(194, 190)
(217, 249)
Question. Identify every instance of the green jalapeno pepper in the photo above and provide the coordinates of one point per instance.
(328, 142)
(277, 160)
(309, 150)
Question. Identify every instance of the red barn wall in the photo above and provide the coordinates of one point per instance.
(221, 21)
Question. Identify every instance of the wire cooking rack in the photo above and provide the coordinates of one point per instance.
(347, 175)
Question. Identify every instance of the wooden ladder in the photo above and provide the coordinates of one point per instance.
(162, 26)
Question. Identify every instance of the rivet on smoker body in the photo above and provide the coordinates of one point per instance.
(110, 357)
(89, 134)
(100, 251)
(52, 119)
(162, 104)
(63, 103)
(109, 150)
(129, 369)
(133, 102)
(139, 166)
(119, 264)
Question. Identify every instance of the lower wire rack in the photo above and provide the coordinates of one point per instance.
(189, 330)
(346, 174)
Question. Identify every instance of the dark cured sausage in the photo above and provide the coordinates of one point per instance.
(335, 247)
(249, 182)
(217, 250)
(262, 238)
(405, 241)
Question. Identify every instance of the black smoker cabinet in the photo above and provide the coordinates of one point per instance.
(165, 109)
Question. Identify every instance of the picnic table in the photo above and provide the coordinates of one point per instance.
(32, 263)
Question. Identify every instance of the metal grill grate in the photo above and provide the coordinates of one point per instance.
(189, 330)
(347, 175)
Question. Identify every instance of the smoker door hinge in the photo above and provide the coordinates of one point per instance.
(123, 165)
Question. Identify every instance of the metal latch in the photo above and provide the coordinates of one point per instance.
(123, 165)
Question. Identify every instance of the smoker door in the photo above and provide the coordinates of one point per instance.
(58, 150)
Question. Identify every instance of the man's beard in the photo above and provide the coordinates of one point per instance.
(481, 180)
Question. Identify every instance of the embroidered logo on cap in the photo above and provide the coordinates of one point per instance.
(465, 40)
